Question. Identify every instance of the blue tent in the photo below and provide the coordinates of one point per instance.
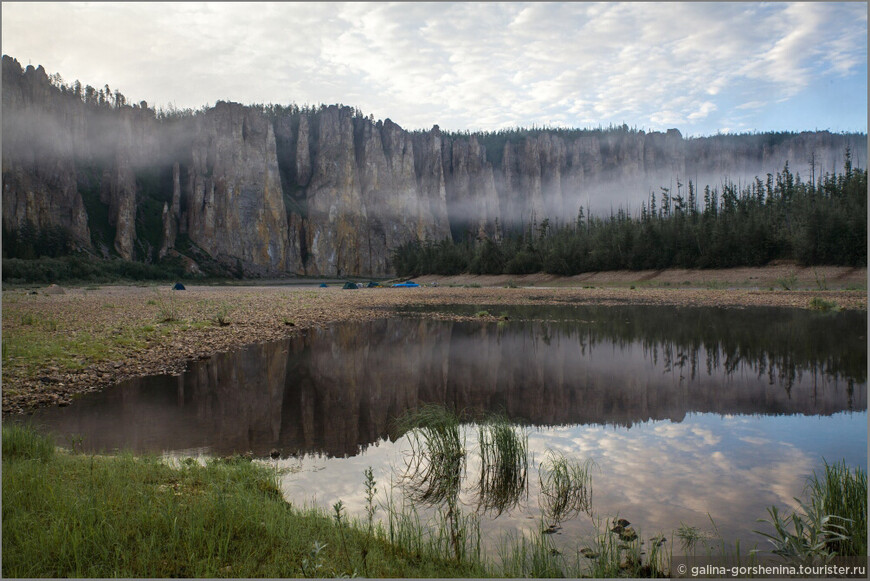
(323, 285)
(178, 286)
(406, 284)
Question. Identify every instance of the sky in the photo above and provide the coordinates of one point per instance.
(703, 67)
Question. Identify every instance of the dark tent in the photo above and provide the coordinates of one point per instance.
(372, 284)
(178, 286)
(349, 285)
(323, 285)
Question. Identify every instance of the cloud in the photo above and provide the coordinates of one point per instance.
(461, 65)
(657, 474)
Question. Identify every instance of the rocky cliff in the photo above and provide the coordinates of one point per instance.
(327, 191)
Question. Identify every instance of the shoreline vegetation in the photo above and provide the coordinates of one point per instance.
(66, 513)
(59, 343)
(812, 223)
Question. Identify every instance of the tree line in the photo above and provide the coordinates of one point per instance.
(780, 217)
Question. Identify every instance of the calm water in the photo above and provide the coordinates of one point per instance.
(685, 411)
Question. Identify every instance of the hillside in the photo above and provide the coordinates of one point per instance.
(263, 191)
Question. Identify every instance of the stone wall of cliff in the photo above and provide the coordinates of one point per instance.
(327, 191)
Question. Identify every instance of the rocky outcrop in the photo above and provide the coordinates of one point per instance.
(433, 221)
(171, 213)
(327, 191)
(40, 133)
(472, 199)
(235, 207)
(337, 239)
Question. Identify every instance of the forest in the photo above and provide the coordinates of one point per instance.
(781, 217)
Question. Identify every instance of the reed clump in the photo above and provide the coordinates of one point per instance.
(842, 493)
(566, 487)
(832, 522)
(504, 465)
(435, 464)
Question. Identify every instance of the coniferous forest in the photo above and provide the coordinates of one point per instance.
(779, 217)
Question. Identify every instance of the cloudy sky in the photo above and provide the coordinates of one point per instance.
(701, 67)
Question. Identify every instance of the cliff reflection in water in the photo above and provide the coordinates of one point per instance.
(336, 390)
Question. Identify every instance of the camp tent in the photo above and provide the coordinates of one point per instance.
(178, 286)
(349, 285)
(323, 285)
(372, 284)
(406, 284)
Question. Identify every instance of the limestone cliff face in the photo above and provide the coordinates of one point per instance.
(235, 208)
(433, 221)
(170, 214)
(40, 133)
(267, 191)
(472, 199)
(361, 188)
(337, 217)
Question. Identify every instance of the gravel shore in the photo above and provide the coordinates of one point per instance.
(56, 346)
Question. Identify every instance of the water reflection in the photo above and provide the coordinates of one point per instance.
(658, 475)
(684, 412)
(336, 390)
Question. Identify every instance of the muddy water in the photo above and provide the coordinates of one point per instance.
(684, 411)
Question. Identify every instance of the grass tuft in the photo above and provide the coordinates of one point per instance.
(566, 487)
(842, 493)
(832, 522)
(23, 442)
(436, 462)
(504, 455)
(820, 304)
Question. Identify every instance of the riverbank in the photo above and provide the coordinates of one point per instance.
(75, 515)
(60, 343)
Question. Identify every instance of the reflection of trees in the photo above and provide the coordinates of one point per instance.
(607, 365)
(335, 389)
(780, 342)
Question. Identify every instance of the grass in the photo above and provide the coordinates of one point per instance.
(833, 521)
(222, 316)
(788, 282)
(74, 515)
(843, 493)
(566, 487)
(821, 281)
(22, 443)
(616, 553)
(690, 537)
(820, 304)
(168, 309)
(436, 463)
(504, 464)
(34, 349)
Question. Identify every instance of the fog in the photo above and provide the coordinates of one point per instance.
(452, 185)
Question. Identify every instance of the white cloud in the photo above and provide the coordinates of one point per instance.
(461, 65)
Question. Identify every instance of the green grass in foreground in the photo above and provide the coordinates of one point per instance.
(36, 348)
(73, 515)
(90, 516)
